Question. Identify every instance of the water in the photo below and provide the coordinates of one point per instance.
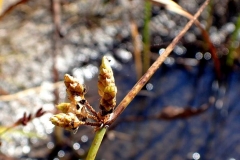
(213, 134)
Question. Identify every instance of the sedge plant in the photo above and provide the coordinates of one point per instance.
(79, 112)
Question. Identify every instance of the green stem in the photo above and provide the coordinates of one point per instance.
(96, 143)
(230, 56)
(146, 36)
(210, 15)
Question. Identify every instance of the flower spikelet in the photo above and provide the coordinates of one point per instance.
(68, 121)
(75, 90)
(106, 87)
(79, 110)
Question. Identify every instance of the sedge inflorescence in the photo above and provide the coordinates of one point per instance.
(78, 111)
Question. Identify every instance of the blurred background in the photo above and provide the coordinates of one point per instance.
(189, 109)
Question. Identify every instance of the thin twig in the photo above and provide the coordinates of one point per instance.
(56, 48)
(92, 110)
(93, 117)
(134, 91)
(56, 15)
(93, 123)
(8, 128)
(24, 120)
(137, 48)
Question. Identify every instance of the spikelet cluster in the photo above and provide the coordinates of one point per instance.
(75, 90)
(74, 113)
(106, 87)
(66, 120)
(79, 111)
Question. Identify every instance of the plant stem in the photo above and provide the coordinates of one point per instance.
(138, 86)
(7, 129)
(146, 36)
(137, 43)
(96, 143)
(210, 15)
(230, 56)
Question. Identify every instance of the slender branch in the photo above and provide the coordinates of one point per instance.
(137, 44)
(56, 44)
(137, 48)
(7, 129)
(93, 118)
(23, 120)
(92, 110)
(93, 123)
(56, 50)
(138, 86)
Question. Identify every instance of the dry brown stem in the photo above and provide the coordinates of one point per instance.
(138, 86)
(137, 48)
